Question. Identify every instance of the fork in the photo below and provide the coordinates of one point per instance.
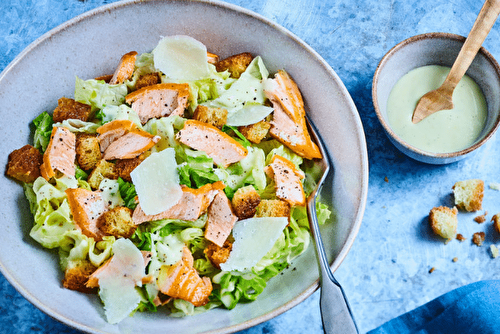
(336, 313)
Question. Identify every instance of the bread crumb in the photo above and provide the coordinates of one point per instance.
(496, 222)
(481, 219)
(495, 185)
(386, 179)
(460, 237)
(443, 221)
(494, 251)
(455, 259)
(469, 194)
(432, 270)
(478, 238)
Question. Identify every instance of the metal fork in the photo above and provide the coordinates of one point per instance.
(336, 314)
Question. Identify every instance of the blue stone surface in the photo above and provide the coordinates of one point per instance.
(386, 272)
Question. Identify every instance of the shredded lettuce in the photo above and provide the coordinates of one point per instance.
(43, 129)
(79, 126)
(99, 94)
(197, 170)
(127, 193)
(110, 113)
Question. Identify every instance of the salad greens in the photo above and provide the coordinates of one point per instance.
(245, 100)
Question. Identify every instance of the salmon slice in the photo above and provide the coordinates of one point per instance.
(125, 68)
(288, 180)
(93, 281)
(183, 281)
(130, 145)
(86, 207)
(193, 203)
(113, 130)
(159, 100)
(221, 147)
(212, 58)
(60, 154)
(289, 123)
(221, 219)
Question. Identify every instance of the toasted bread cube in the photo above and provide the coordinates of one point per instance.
(124, 167)
(469, 194)
(214, 116)
(496, 222)
(103, 169)
(212, 58)
(216, 254)
(443, 221)
(148, 79)
(117, 222)
(71, 109)
(24, 164)
(236, 64)
(245, 202)
(76, 275)
(273, 208)
(255, 132)
(88, 152)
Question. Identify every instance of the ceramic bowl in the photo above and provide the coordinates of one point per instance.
(46, 70)
(435, 49)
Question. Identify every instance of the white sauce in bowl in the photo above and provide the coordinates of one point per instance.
(445, 131)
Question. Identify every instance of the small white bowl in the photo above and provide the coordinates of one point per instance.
(435, 49)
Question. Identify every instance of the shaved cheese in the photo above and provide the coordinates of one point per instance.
(118, 280)
(181, 58)
(249, 114)
(253, 238)
(156, 182)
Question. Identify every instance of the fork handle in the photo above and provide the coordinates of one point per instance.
(336, 314)
(482, 26)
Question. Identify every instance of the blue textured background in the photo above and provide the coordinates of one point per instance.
(386, 272)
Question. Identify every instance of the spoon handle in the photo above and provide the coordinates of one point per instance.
(335, 311)
(482, 26)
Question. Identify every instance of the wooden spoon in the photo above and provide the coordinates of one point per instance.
(442, 98)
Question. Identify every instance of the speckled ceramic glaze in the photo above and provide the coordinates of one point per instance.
(435, 49)
(91, 45)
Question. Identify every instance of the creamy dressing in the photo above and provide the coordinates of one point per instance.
(445, 131)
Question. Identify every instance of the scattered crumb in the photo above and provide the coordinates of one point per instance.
(481, 219)
(455, 259)
(386, 179)
(432, 270)
(495, 185)
(496, 222)
(478, 238)
(461, 237)
(494, 251)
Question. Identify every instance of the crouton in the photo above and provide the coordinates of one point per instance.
(103, 169)
(124, 167)
(236, 64)
(245, 202)
(76, 275)
(24, 164)
(496, 222)
(125, 68)
(469, 194)
(478, 238)
(216, 254)
(88, 152)
(214, 116)
(255, 132)
(117, 222)
(148, 79)
(273, 208)
(71, 109)
(443, 221)
(106, 78)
